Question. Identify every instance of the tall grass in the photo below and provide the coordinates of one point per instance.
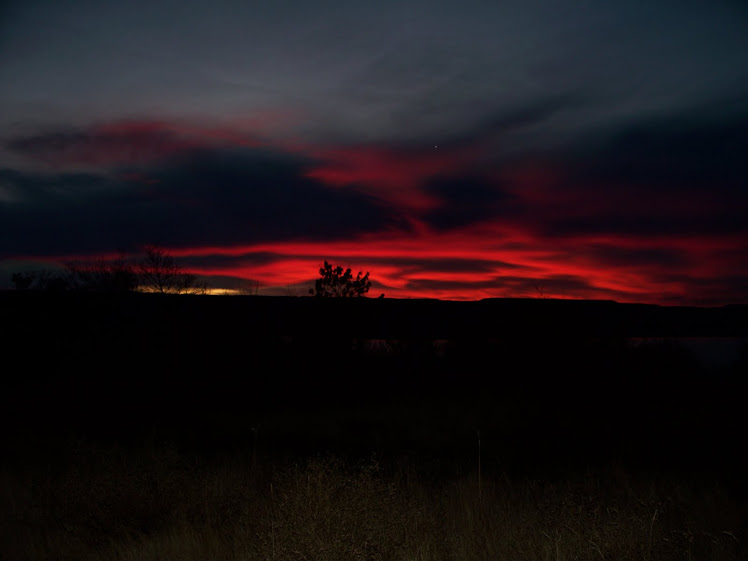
(158, 503)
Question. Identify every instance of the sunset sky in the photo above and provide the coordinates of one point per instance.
(455, 150)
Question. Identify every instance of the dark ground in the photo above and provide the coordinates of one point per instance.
(141, 426)
(547, 385)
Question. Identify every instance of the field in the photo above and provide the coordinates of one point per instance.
(147, 427)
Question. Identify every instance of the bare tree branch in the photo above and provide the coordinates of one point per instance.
(159, 272)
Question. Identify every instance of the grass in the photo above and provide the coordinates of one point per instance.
(200, 445)
(155, 502)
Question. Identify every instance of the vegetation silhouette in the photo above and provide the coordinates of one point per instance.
(43, 280)
(103, 276)
(157, 272)
(339, 283)
(23, 281)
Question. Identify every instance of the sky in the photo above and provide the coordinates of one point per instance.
(454, 150)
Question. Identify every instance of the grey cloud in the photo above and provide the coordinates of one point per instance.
(465, 200)
(204, 197)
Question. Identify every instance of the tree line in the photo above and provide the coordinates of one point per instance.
(158, 272)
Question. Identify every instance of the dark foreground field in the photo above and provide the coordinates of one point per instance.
(147, 427)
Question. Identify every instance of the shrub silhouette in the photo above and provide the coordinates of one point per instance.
(51, 281)
(23, 281)
(159, 272)
(339, 283)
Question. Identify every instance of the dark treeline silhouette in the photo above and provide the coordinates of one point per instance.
(157, 271)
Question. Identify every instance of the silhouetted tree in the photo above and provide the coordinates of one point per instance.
(336, 282)
(250, 287)
(23, 281)
(103, 276)
(41, 280)
(54, 282)
(159, 272)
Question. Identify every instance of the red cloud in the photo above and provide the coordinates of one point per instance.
(512, 264)
(523, 266)
(552, 235)
(395, 176)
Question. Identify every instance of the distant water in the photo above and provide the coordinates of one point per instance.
(712, 352)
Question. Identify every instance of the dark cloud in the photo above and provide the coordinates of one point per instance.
(125, 143)
(611, 255)
(551, 286)
(675, 155)
(199, 198)
(464, 200)
(241, 196)
(495, 132)
(454, 265)
(245, 260)
(649, 223)
(54, 214)
(683, 176)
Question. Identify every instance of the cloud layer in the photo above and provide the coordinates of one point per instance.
(653, 213)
